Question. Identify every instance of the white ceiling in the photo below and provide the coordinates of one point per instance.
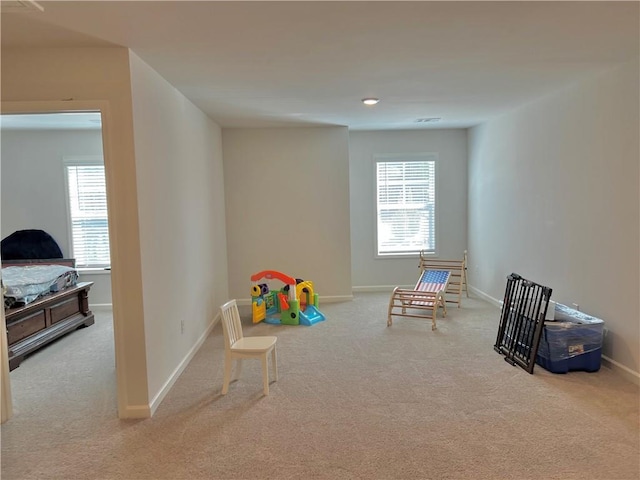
(255, 64)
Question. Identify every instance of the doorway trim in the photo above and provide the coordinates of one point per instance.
(101, 106)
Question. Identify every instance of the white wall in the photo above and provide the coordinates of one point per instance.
(40, 201)
(451, 229)
(182, 220)
(554, 196)
(287, 196)
(42, 79)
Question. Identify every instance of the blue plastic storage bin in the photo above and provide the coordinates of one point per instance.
(572, 341)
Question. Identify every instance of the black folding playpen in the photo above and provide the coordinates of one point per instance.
(521, 321)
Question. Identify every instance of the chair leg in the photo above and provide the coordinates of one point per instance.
(274, 361)
(227, 375)
(265, 374)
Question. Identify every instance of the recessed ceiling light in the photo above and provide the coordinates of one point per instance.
(429, 120)
(370, 101)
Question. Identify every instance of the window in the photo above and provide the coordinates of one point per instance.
(88, 213)
(406, 204)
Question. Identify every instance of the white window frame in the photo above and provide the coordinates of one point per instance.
(75, 161)
(405, 157)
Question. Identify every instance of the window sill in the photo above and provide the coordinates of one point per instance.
(397, 256)
(93, 271)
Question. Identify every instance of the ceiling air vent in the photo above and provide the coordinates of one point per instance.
(20, 6)
(428, 120)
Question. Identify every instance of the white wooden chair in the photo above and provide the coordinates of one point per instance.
(238, 347)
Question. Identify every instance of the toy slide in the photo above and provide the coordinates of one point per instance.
(310, 316)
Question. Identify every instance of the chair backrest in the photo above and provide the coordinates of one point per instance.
(231, 326)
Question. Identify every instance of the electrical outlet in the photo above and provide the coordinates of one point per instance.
(182, 326)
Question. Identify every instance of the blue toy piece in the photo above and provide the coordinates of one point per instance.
(310, 316)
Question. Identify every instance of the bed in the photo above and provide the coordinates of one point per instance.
(24, 283)
(43, 299)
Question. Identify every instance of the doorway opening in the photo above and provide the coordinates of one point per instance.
(53, 179)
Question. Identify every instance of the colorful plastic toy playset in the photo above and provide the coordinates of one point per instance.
(294, 304)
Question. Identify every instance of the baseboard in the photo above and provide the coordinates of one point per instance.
(378, 288)
(135, 412)
(620, 369)
(335, 299)
(155, 403)
(484, 296)
(101, 306)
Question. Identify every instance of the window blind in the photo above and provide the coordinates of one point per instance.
(406, 204)
(89, 218)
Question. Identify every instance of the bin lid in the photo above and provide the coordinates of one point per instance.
(564, 314)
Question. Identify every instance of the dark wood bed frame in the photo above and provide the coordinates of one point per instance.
(40, 322)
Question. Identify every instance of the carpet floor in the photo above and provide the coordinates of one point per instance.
(355, 399)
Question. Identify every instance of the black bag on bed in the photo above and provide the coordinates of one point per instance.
(29, 244)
